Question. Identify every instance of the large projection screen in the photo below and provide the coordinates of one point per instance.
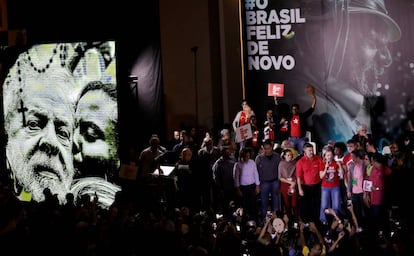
(61, 121)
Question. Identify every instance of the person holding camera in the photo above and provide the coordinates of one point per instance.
(311, 247)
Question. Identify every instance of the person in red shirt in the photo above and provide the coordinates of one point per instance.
(297, 121)
(375, 193)
(242, 118)
(309, 184)
(330, 173)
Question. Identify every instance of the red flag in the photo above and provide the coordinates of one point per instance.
(276, 90)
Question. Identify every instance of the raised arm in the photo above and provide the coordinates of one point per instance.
(313, 101)
(336, 243)
(311, 91)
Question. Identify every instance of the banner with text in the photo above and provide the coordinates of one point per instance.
(355, 53)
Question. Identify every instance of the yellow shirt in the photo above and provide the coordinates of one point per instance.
(306, 251)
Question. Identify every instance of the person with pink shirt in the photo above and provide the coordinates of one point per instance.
(355, 192)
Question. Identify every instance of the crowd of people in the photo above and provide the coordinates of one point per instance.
(226, 198)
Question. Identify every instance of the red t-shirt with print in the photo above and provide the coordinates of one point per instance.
(295, 126)
(308, 169)
(331, 178)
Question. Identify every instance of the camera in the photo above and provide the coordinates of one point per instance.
(269, 214)
(245, 248)
(214, 226)
(238, 227)
(346, 222)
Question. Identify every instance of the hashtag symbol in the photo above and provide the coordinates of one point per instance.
(249, 4)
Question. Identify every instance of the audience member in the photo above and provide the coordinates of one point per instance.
(314, 245)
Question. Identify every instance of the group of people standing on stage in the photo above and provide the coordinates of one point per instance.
(278, 124)
(263, 176)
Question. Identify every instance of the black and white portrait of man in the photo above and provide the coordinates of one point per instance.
(42, 113)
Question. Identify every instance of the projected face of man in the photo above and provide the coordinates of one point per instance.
(40, 129)
(367, 60)
(360, 59)
(95, 134)
(370, 58)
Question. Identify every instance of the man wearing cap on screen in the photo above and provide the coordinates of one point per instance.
(355, 42)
